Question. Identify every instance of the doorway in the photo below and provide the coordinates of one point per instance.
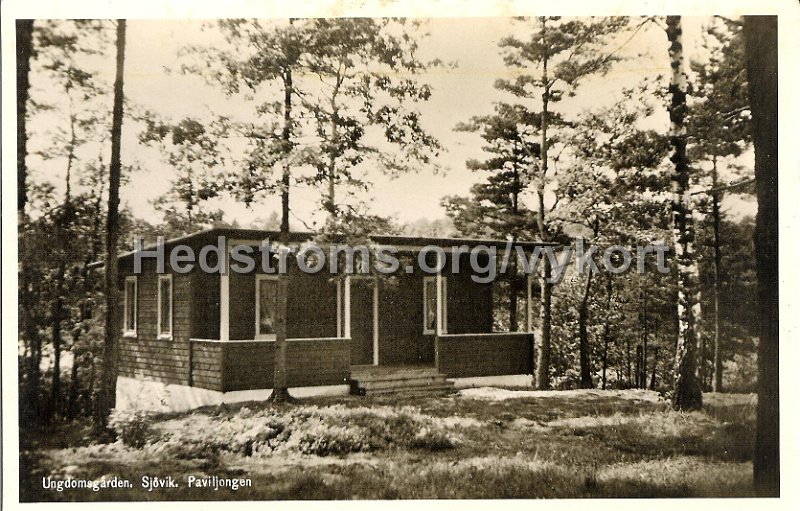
(363, 321)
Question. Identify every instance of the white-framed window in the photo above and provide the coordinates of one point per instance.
(130, 307)
(429, 305)
(165, 307)
(266, 302)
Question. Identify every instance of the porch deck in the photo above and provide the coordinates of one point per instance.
(234, 365)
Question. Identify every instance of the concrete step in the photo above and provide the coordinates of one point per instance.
(405, 382)
(381, 380)
(392, 374)
(413, 390)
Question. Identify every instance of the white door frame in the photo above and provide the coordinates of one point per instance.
(530, 303)
(375, 312)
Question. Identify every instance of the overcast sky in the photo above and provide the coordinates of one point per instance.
(458, 94)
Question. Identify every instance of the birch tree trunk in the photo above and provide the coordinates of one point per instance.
(687, 394)
(543, 362)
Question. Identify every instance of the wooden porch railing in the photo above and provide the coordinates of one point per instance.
(485, 354)
(248, 364)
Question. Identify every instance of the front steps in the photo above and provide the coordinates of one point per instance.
(387, 380)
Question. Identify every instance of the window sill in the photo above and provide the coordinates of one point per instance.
(165, 337)
(129, 335)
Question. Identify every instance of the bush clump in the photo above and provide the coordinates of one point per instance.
(321, 431)
(133, 427)
(432, 440)
(333, 440)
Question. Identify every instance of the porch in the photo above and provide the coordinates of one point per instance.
(356, 330)
(235, 365)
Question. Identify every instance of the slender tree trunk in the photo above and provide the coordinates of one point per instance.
(72, 400)
(58, 301)
(97, 225)
(280, 390)
(34, 368)
(24, 40)
(715, 211)
(24, 48)
(513, 290)
(607, 331)
(761, 46)
(628, 361)
(108, 387)
(606, 337)
(33, 344)
(55, 330)
(702, 362)
(687, 394)
(700, 338)
(513, 287)
(638, 367)
(645, 335)
(191, 198)
(583, 335)
(655, 365)
(543, 363)
(88, 396)
(332, 152)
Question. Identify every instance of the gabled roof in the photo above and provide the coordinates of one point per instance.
(411, 243)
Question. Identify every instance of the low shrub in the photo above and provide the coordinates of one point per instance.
(133, 427)
(333, 440)
(570, 380)
(432, 439)
(325, 431)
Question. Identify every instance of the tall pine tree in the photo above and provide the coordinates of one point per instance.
(107, 395)
(553, 61)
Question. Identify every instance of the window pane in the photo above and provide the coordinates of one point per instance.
(430, 305)
(166, 306)
(130, 303)
(267, 291)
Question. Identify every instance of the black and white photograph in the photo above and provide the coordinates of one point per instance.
(341, 251)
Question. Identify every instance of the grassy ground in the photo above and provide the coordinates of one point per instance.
(479, 445)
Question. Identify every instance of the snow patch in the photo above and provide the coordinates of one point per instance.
(724, 399)
(509, 380)
(498, 394)
(458, 422)
(135, 394)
